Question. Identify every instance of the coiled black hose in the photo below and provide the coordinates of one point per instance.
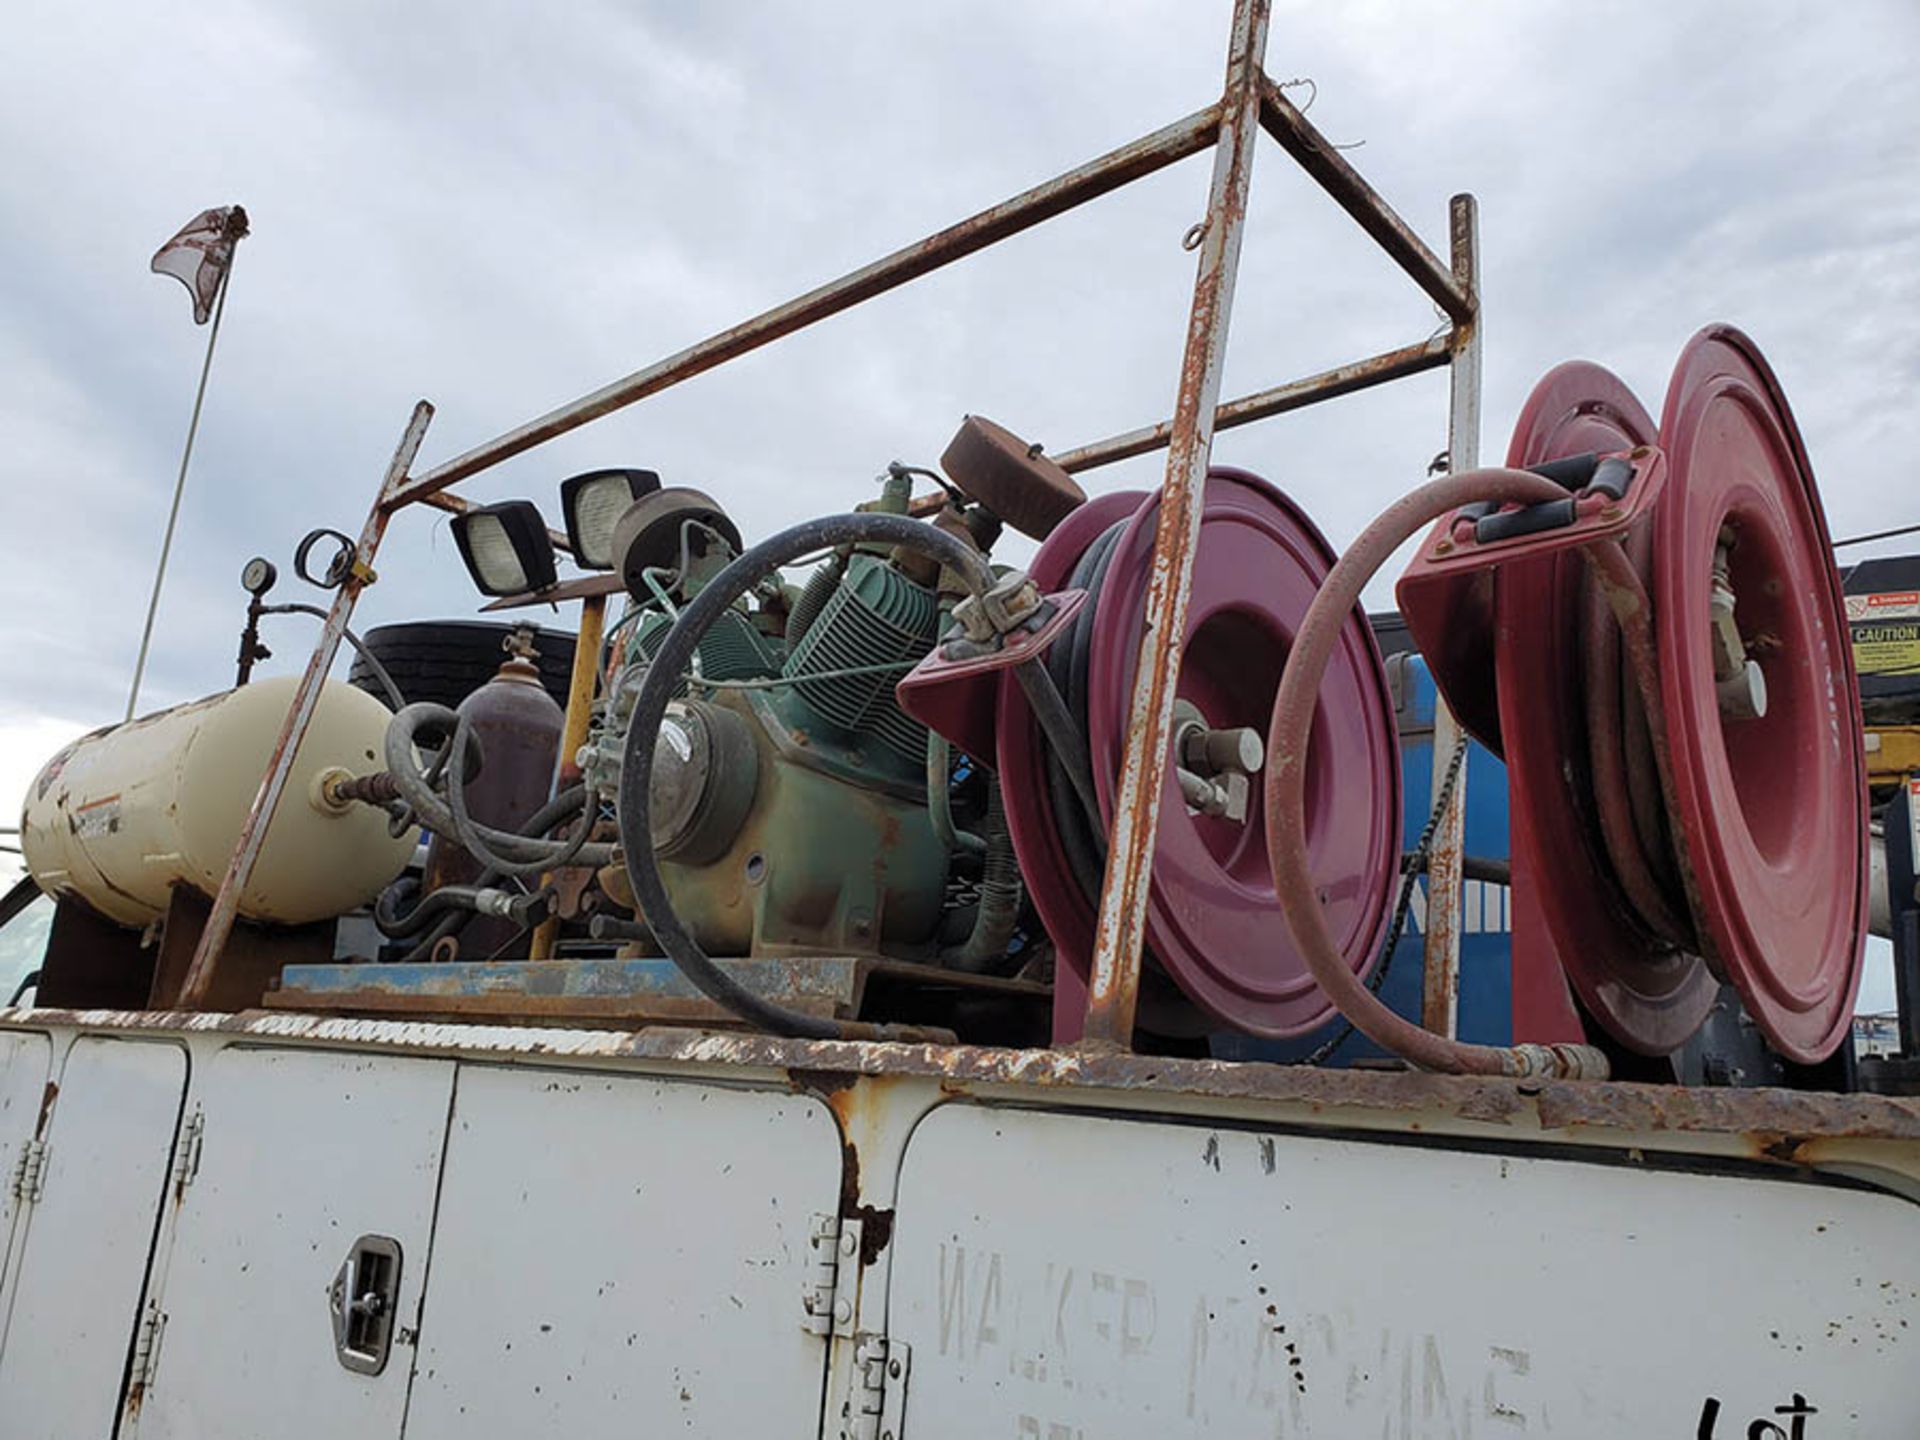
(650, 707)
(1082, 830)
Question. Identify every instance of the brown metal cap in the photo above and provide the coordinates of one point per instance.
(1011, 477)
(648, 535)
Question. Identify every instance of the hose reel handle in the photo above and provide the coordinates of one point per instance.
(1584, 476)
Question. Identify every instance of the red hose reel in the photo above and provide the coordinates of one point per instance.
(1220, 946)
(1701, 819)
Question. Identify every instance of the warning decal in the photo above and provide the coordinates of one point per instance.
(1887, 605)
(1880, 648)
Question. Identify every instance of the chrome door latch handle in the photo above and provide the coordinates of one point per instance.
(362, 1300)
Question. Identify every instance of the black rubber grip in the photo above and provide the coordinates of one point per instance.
(1612, 478)
(1571, 472)
(1512, 524)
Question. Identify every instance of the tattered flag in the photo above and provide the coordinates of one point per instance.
(199, 255)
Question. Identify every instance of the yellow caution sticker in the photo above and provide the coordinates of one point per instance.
(1887, 648)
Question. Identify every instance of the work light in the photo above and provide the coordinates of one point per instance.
(505, 547)
(594, 502)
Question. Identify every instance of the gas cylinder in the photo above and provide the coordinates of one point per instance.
(518, 725)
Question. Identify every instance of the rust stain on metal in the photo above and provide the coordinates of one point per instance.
(827, 1065)
(1440, 974)
(876, 1231)
(47, 1096)
(1779, 1122)
(851, 1095)
(1787, 1149)
(379, 788)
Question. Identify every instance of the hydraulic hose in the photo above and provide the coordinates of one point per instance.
(395, 699)
(940, 798)
(435, 902)
(452, 920)
(663, 674)
(1001, 894)
(1286, 775)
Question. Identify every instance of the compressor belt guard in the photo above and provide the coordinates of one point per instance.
(1214, 927)
(1696, 813)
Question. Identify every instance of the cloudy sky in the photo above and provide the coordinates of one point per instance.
(499, 207)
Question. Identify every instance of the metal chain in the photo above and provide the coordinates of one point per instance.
(1414, 865)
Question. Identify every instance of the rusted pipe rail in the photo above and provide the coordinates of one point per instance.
(196, 985)
(1119, 940)
(1109, 172)
(1440, 952)
(1329, 168)
(1294, 395)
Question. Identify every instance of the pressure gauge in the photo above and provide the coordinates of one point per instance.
(258, 576)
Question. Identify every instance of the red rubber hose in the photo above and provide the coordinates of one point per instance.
(1286, 784)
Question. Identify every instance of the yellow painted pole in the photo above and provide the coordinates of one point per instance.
(586, 670)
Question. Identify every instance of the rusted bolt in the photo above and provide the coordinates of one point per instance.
(1196, 232)
(1444, 547)
(1610, 512)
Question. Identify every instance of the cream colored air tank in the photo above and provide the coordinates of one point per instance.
(121, 816)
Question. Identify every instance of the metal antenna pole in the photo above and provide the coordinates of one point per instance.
(179, 488)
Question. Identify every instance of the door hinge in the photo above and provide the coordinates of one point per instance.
(833, 1270)
(29, 1179)
(186, 1153)
(876, 1401)
(146, 1348)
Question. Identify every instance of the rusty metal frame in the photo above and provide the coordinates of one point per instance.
(1250, 102)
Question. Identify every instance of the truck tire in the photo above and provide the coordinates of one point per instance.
(444, 661)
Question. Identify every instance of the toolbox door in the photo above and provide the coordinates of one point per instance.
(298, 1246)
(619, 1256)
(1073, 1277)
(90, 1200)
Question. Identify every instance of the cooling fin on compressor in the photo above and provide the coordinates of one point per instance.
(876, 620)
